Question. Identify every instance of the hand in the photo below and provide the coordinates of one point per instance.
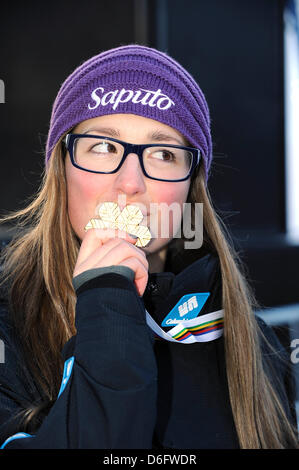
(107, 247)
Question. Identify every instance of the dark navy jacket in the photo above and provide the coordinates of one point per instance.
(122, 387)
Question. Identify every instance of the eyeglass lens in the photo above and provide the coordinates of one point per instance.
(105, 155)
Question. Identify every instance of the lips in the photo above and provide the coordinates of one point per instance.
(144, 210)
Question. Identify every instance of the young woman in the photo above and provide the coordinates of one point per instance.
(113, 345)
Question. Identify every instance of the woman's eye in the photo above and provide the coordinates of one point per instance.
(103, 147)
(164, 155)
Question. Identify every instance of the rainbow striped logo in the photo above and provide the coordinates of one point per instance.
(207, 327)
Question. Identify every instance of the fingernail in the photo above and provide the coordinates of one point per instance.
(133, 236)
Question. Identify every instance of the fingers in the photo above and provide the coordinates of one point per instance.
(141, 273)
(100, 248)
(115, 250)
(96, 238)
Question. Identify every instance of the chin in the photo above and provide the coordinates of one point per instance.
(155, 246)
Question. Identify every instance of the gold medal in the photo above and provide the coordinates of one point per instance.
(109, 213)
(94, 223)
(127, 220)
(143, 234)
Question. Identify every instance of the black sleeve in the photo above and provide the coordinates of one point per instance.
(279, 369)
(108, 392)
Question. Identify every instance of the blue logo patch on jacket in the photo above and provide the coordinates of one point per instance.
(67, 370)
(187, 308)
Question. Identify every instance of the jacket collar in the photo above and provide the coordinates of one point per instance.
(185, 271)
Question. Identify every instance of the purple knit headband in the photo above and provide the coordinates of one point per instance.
(137, 80)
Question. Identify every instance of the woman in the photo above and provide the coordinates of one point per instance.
(88, 318)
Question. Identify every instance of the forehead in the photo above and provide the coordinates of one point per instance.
(130, 126)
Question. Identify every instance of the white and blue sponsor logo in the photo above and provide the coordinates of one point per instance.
(187, 308)
(67, 370)
(19, 435)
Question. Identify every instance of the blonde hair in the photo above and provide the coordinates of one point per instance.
(38, 266)
(259, 417)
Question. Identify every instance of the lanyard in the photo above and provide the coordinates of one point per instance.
(197, 330)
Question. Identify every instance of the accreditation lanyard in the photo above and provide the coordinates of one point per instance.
(197, 330)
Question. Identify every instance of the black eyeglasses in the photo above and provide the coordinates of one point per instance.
(105, 155)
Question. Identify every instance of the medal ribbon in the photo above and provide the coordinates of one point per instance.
(197, 330)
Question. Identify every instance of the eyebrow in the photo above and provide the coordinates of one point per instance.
(156, 136)
(110, 131)
(159, 136)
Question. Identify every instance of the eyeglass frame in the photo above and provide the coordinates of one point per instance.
(137, 149)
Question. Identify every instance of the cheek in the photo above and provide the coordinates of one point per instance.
(80, 193)
(83, 193)
(167, 211)
(172, 194)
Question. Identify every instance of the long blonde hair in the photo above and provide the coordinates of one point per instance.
(37, 270)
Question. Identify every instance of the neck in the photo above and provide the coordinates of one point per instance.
(157, 260)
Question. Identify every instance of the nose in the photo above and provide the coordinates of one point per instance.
(130, 178)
